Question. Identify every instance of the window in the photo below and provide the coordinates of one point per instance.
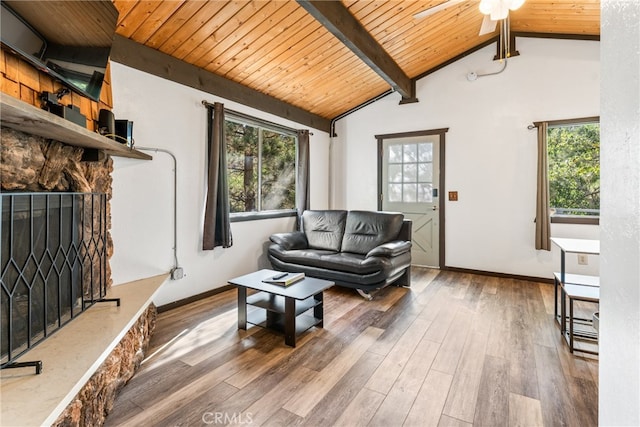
(261, 163)
(574, 171)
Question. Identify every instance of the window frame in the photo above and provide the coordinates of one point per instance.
(573, 219)
(245, 119)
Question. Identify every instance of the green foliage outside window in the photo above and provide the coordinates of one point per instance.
(261, 165)
(574, 169)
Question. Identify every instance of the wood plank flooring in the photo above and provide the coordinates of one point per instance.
(453, 350)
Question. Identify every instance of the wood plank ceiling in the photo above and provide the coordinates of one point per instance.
(277, 48)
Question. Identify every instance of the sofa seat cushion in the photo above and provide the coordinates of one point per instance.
(324, 229)
(366, 230)
(329, 260)
(386, 269)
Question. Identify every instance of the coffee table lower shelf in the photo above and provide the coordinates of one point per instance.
(276, 323)
(282, 314)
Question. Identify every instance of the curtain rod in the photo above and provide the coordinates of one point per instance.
(255, 119)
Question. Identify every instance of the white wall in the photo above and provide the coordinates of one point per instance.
(490, 153)
(620, 242)
(171, 116)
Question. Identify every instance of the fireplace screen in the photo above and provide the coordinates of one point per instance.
(53, 264)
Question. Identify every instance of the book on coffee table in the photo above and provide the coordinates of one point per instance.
(284, 279)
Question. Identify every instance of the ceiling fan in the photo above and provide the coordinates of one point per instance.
(493, 11)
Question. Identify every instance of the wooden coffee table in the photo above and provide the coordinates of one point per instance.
(285, 309)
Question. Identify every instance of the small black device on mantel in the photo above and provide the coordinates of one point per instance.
(124, 132)
(50, 102)
(106, 123)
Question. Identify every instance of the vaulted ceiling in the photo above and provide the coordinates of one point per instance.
(279, 49)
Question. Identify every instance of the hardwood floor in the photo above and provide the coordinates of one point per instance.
(453, 350)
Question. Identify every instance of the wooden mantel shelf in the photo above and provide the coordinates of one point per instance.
(24, 117)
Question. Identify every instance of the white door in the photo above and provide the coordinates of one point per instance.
(410, 184)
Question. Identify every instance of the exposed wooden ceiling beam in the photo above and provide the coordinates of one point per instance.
(140, 57)
(334, 16)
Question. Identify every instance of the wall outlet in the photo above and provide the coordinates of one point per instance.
(583, 259)
(177, 273)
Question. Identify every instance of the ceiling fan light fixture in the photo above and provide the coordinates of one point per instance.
(487, 6)
(500, 12)
(499, 9)
(515, 4)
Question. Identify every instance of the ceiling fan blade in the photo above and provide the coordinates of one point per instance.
(436, 8)
(488, 25)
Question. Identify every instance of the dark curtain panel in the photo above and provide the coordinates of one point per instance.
(543, 218)
(217, 228)
(302, 181)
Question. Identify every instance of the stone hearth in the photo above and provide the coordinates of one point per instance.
(113, 374)
(85, 363)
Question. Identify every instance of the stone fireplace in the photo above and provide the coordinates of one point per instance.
(55, 239)
(44, 167)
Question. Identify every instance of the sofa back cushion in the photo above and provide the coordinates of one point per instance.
(365, 230)
(324, 229)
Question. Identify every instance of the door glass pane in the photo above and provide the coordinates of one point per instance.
(409, 193)
(395, 173)
(425, 172)
(395, 153)
(425, 152)
(409, 173)
(410, 153)
(425, 193)
(395, 193)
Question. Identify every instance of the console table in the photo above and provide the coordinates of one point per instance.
(574, 287)
(280, 308)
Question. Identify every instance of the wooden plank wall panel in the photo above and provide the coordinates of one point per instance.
(223, 37)
(421, 44)
(220, 13)
(185, 12)
(558, 16)
(240, 37)
(302, 35)
(87, 23)
(189, 28)
(135, 17)
(154, 21)
(267, 42)
(21, 80)
(255, 36)
(278, 49)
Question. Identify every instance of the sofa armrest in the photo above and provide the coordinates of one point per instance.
(390, 249)
(290, 241)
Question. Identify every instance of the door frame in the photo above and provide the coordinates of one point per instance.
(441, 205)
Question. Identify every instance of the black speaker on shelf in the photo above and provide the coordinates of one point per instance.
(124, 132)
(106, 124)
